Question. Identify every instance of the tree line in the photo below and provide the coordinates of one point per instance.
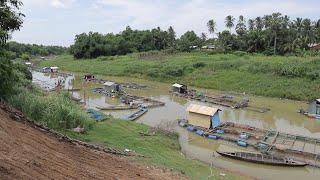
(270, 34)
(20, 50)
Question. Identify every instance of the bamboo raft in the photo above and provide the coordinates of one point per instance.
(225, 101)
(262, 159)
(300, 148)
(114, 108)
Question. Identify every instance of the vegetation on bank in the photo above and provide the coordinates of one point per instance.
(274, 76)
(55, 111)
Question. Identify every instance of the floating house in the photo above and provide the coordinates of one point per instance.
(89, 77)
(203, 116)
(314, 108)
(46, 70)
(180, 88)
(28, 64)
(54, 69)
(111, 87)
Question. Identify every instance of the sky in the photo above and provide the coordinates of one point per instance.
(56, 22)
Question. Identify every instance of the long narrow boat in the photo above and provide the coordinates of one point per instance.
(117, 107)
(262, 159)
(137, 114)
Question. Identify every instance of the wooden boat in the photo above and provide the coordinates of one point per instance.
(117, 107)
(137, 114)
(75, 99)
(262, 159)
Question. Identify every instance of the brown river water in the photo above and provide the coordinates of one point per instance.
(282, 117)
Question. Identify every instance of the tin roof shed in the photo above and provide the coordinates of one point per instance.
(204, 110)
(109, 83)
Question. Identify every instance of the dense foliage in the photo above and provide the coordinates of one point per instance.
(270, 34)
(19, 50)
(10, 20)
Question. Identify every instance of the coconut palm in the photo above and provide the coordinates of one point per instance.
(229, 22)
(211, 26)
(251, 24)
(259, 23)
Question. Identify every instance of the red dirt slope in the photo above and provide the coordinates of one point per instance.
(28, 153)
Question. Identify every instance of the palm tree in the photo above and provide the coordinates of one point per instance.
(229, 22)
(241, 26)
(259, 23)
(211, 26)
(251, 24)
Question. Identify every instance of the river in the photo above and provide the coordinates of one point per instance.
(282, 117)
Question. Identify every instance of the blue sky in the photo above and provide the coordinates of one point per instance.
(56, 22)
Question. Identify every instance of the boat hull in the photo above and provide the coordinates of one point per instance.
(263, 159)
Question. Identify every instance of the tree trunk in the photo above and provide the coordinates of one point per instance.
(275, 44)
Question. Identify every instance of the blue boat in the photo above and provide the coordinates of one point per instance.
(137, 114)
(96, 115)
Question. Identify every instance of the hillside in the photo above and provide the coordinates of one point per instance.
(28, 153)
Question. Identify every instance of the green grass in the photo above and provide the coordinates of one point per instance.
(160, 150)
(274, 76)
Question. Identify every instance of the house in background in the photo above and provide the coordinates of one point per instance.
(89, 77)
(314, 108)
(111, 87)
(54, 69)
(180, 88)
(203, 116)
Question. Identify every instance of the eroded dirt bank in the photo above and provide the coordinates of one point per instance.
(29, 153)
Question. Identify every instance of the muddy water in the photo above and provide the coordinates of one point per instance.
(282, 117)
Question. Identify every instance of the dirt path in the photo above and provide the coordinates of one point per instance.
(28, 153)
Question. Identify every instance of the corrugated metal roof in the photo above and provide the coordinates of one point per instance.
(205, 110)
(109, 83)
(177, 85)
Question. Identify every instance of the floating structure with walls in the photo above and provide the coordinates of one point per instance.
(299, 148)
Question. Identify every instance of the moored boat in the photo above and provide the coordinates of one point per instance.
(262, 158)
(137, 114)
(117, 107)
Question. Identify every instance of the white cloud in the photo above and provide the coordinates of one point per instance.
(44, 16)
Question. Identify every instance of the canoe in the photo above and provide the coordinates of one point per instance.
(117, 107)
(262, 159)
(137, 114)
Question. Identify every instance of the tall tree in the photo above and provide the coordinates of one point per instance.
(10, 20)
(259, 23)
(241, 26)
(251, 24)
(211, 26)
(171, 37)
(229, 21)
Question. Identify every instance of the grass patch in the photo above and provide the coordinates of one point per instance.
(274, 76)
(56, 111)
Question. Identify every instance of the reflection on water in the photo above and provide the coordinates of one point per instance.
(283, 117)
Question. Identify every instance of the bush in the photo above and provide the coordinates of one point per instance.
(55, 111)
(199, 65)
(25, 57)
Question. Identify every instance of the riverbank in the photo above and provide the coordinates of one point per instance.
(159, 149)
(272, 76)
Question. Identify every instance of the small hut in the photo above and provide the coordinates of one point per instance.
(180, 88)
(111, 87)
(314, 108)
(203, 116)
(46, 70)
(54, 69)
(89, 77)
